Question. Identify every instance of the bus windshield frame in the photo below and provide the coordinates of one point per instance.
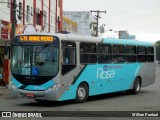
(34, 63)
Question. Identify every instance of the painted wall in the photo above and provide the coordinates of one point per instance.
(47, 11)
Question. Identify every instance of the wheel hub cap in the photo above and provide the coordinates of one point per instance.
(81, 92)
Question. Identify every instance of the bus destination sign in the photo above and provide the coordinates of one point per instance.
(36, 38)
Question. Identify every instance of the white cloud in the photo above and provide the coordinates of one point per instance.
(138, 17)
(151, 37)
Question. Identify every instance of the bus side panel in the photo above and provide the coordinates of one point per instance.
(147, 74)
(104, 79)
(85, 75)
(68, 90)
(117, 77)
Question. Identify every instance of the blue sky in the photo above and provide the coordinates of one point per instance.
(138, 17)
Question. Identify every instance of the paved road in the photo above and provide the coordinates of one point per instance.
(147, 100)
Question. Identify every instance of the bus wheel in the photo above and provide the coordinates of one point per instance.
(82, 93)
(136, 86)
(40, 101)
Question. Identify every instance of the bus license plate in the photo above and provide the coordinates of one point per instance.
(30, 95)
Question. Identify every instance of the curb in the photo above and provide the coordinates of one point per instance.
(3, 87)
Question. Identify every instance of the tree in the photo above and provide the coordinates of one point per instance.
(158, 49)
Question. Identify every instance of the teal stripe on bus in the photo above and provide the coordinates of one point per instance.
(126, 42)
(74, 81)
(105, 78)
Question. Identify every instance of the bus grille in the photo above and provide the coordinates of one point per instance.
(36, 80)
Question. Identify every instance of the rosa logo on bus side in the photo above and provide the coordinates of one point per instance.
(103, 73)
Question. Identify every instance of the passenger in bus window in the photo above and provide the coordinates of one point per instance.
(81, 50)
(93, 49)
(66, 60)
(92, 58)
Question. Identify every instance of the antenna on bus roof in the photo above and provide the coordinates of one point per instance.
(29, 29)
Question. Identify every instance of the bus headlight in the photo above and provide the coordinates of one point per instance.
(53, 88)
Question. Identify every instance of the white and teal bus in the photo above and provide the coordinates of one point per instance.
(62, 67)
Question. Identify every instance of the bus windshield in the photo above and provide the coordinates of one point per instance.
(35, 60)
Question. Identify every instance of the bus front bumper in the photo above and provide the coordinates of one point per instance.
(51, 94)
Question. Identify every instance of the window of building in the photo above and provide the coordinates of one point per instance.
(31, 11)
(88, 53)
(118, 53)
(141, 54)
(28, 14)
(59, 3)
(45, 19)
(20, 11)
(8, 3)
(69, 56)
(1, 56)
(38, 16)
(104, 53)
(150, 54)
(131, 53)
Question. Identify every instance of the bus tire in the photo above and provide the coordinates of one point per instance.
(136, 86)
(40, 101)
(82, 93)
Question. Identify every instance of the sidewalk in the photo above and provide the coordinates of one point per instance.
(4, 91)
(3, 87)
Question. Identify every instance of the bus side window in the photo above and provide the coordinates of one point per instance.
(104, 53)
(142, 54)
(150, 54)
(131, 55)
(118, 54)
(88, 53)
(68, 56)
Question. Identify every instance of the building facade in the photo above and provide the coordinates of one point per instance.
(69, 26)
(44, 15)
(125, 35)
(84, 20)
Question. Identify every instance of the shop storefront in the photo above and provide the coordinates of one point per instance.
(5, 35)
(4, 59)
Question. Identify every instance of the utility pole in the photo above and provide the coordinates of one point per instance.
(14, 21)
(97, 18)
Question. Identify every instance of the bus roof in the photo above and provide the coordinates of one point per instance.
(127, 42)
(69, 37)
(78, 38)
